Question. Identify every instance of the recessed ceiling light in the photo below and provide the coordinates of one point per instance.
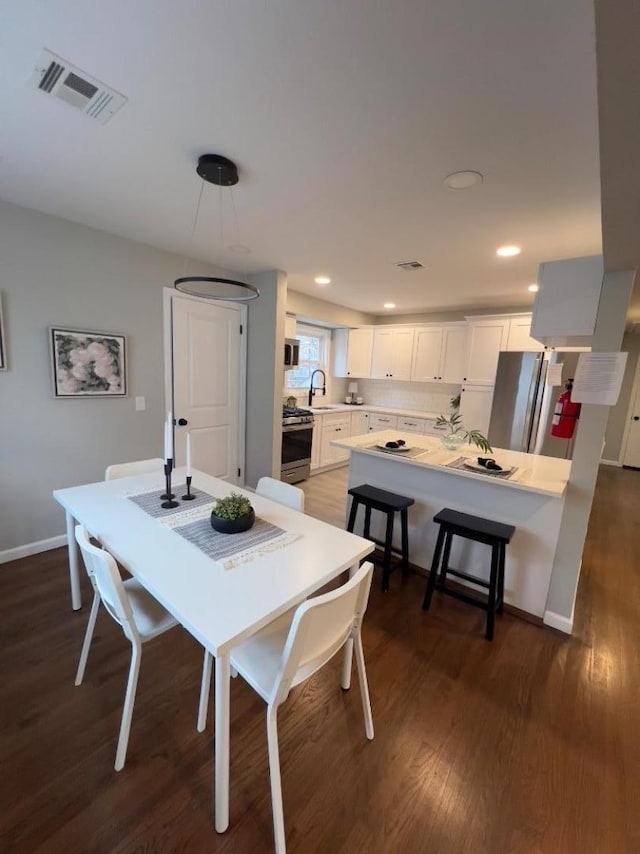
(463, 180)
(322, 280)
(240, 249)
(534, 288)
(389, 305)
(508, 251)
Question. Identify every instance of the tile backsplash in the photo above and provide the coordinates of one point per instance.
(424, 397)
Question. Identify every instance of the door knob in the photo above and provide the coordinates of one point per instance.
(182, 422)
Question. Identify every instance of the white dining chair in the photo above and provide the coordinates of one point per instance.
(291, 649)
(283, 493)
(137, 467)
(141, 617)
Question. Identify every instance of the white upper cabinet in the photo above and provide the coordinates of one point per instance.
(487, 337)
(392, 354)
(439, 354)
(427, 349)
(566, 306)
(352, 352)
(454, 354)
(290, 326)
(519, 338)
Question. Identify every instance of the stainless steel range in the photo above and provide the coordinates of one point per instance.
(297, 434)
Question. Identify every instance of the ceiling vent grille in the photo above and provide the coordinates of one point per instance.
(409, 266)
(55, 76)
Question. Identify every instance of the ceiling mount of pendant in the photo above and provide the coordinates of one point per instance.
(217, 169)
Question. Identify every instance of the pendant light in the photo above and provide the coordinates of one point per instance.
(215, 169)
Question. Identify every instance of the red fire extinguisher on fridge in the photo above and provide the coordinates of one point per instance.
(566, 414)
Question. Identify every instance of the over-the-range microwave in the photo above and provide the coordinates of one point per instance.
(291, 352)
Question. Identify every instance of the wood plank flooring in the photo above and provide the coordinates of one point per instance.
(527, 744)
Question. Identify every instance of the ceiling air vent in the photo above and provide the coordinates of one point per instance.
(409, 266)
(55, 76)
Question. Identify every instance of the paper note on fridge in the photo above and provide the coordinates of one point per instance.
(554, 374)
(598, 378)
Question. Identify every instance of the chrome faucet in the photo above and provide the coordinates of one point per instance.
(313, 389)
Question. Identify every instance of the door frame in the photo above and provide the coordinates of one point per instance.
(168, 297)
(635, 391)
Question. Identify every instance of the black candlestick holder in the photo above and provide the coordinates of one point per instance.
(189, 496)
(168, 496)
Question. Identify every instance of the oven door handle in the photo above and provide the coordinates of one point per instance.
(291, 427)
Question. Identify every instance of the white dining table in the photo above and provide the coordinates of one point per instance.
(219, 607)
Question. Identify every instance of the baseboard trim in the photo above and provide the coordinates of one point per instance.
(33, 548)
(557, 621)
(611, 463)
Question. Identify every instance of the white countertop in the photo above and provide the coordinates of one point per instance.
(365, 407)
(536, 473)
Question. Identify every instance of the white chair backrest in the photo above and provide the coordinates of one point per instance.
(138, 467)
(103, 570)
(283, 493)
(319, 629)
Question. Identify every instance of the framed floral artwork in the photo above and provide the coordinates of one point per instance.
(88, 364)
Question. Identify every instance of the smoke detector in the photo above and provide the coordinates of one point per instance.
(55, 76)
(409, 266)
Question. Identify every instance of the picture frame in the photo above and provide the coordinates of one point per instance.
(3, 342)
(87, 364)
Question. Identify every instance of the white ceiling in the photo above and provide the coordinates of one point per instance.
(344, 117)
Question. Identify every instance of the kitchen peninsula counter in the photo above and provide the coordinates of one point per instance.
(532, 500)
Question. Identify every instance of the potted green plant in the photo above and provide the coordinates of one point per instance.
(455, 433)
(233, 514)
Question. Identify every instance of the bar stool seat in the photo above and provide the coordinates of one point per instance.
(389, 503)
(495, 534)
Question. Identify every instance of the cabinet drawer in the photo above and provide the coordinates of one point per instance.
(430, 428)
(411, 425)
(382, 422)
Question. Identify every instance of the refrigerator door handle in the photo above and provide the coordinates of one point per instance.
(532, 412)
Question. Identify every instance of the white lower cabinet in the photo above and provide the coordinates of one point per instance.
(411, 425)
(336, 426)
(430, 428)
(382, 422)
(316, 441)
(475, 406)
(359, 423)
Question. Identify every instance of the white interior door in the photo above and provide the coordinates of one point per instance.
(207, 374)
(632, 448)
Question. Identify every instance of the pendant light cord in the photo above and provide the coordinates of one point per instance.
(193, 229)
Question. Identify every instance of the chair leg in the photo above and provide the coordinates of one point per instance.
(493, 583)
(205, 691)
(276, 781)
(444, 566)
(405, 541)
(501, 578)
(95, 605)
(352, 514)
(364, 686)
(433, 572)
(388, 542)
(129, 700)
(367, 522)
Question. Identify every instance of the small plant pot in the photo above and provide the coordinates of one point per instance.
(453, 441)
(233, 526)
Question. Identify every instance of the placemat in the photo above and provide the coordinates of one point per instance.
(191, 521)
(458, 463)
(150, 501)
(414, 452)
(233, 549)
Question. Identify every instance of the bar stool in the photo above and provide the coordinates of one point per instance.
(495, 534)
(389, 503)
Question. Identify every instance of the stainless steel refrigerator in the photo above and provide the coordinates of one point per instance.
(523, 403)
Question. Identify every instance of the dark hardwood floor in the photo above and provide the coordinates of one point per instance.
(527, 744)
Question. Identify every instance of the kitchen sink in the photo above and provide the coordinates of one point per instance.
(324, 407)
